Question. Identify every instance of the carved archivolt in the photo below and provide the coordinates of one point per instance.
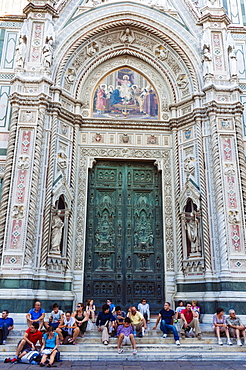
(143, 37)
(87, 156)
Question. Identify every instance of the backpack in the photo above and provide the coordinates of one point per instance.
(29, 357)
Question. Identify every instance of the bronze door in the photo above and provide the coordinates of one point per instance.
(124, 248)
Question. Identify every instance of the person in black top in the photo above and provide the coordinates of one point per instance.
(103, 323)
(166, 316)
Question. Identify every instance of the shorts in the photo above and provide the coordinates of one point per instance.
(54, 324)
(65, 333)
(26, 348)
(232, 332)
(126, 340)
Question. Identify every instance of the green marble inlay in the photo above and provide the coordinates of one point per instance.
(24, 305)
(34, 284)
(3, 151)
(2, 34)
(212, 287)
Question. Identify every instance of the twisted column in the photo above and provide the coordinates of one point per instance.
(48, 196)
(241, 159)
(29, 255)
(204, 205)
(177, 195)
(7, 186)
(219, 202)
(73, 185)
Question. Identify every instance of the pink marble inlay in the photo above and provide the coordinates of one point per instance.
(25, 144)
(227, 149)
(16, 234)
(216, 40)
(231, 192)
(235, 237)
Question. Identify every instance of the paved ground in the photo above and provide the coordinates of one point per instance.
(124, 365)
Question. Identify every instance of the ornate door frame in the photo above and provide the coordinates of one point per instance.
(87, 156)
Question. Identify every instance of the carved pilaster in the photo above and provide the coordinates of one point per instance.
(204, 206)
(7, 185)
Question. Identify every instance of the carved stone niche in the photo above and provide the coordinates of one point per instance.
(56, 264)
(193, 260)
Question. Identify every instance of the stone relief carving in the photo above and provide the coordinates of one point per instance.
(70, 75)
(233, 217)
(62, 160)
(161, 52)
(23, 162)
(229, 169)
(182, 81)
(189, 164)
(131, 153)
(18, 211)
(92, 49)
(127, 36)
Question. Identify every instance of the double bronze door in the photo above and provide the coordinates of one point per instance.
(124, 247)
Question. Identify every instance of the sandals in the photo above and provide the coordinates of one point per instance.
(120, 350)
(134, 352)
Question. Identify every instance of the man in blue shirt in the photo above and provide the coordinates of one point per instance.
(166, 316)
(36, 314)
(6, 324)
(103, 323)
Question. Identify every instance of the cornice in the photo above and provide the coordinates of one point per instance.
(27, 100)
(41, 9)
(214, 18)
(126, 125)
(220, 108)
(13, 18)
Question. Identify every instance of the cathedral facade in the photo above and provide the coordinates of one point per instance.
(122, 157)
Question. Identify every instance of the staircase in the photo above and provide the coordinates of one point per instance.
(152, 347)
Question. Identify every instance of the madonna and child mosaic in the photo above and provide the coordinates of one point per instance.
(125, 94)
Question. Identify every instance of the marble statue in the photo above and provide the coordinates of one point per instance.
(56, 236)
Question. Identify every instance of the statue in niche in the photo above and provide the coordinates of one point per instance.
(20, 53)
(192, 228)
(56, 235)
(47, 53)
(232, 62)
(150, 240)
(158, 263)
(207, 61)
(127, 36)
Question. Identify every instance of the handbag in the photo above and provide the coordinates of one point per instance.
(30, 356)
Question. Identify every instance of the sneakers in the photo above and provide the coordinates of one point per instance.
(13, 360)
(164, 336)
(220, 342)
(177, 342)
(120, 350)
(4, 341)
(239, 343)
(134, 352)
(105, 342)
(183, 336)
(199, 336)
(229, 342)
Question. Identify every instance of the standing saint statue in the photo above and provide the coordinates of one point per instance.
(56, 236)
(193, 233)
(20, 52)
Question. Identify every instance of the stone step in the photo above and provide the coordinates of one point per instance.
(145, 340)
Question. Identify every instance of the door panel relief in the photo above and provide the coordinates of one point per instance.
(124, 252)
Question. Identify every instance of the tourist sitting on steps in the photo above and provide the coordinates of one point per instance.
(91, 309)
(143, 308)
(28, 342)
(49, 347)
(166, 316)
(178, 310)
(236, 327)
(220, 326)
(189, 318)
(36, 314)
(55, 317)
(103, 323)
(125, 336)
(6, 324)
(81, 318)
(137, 320)
(68, 328)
